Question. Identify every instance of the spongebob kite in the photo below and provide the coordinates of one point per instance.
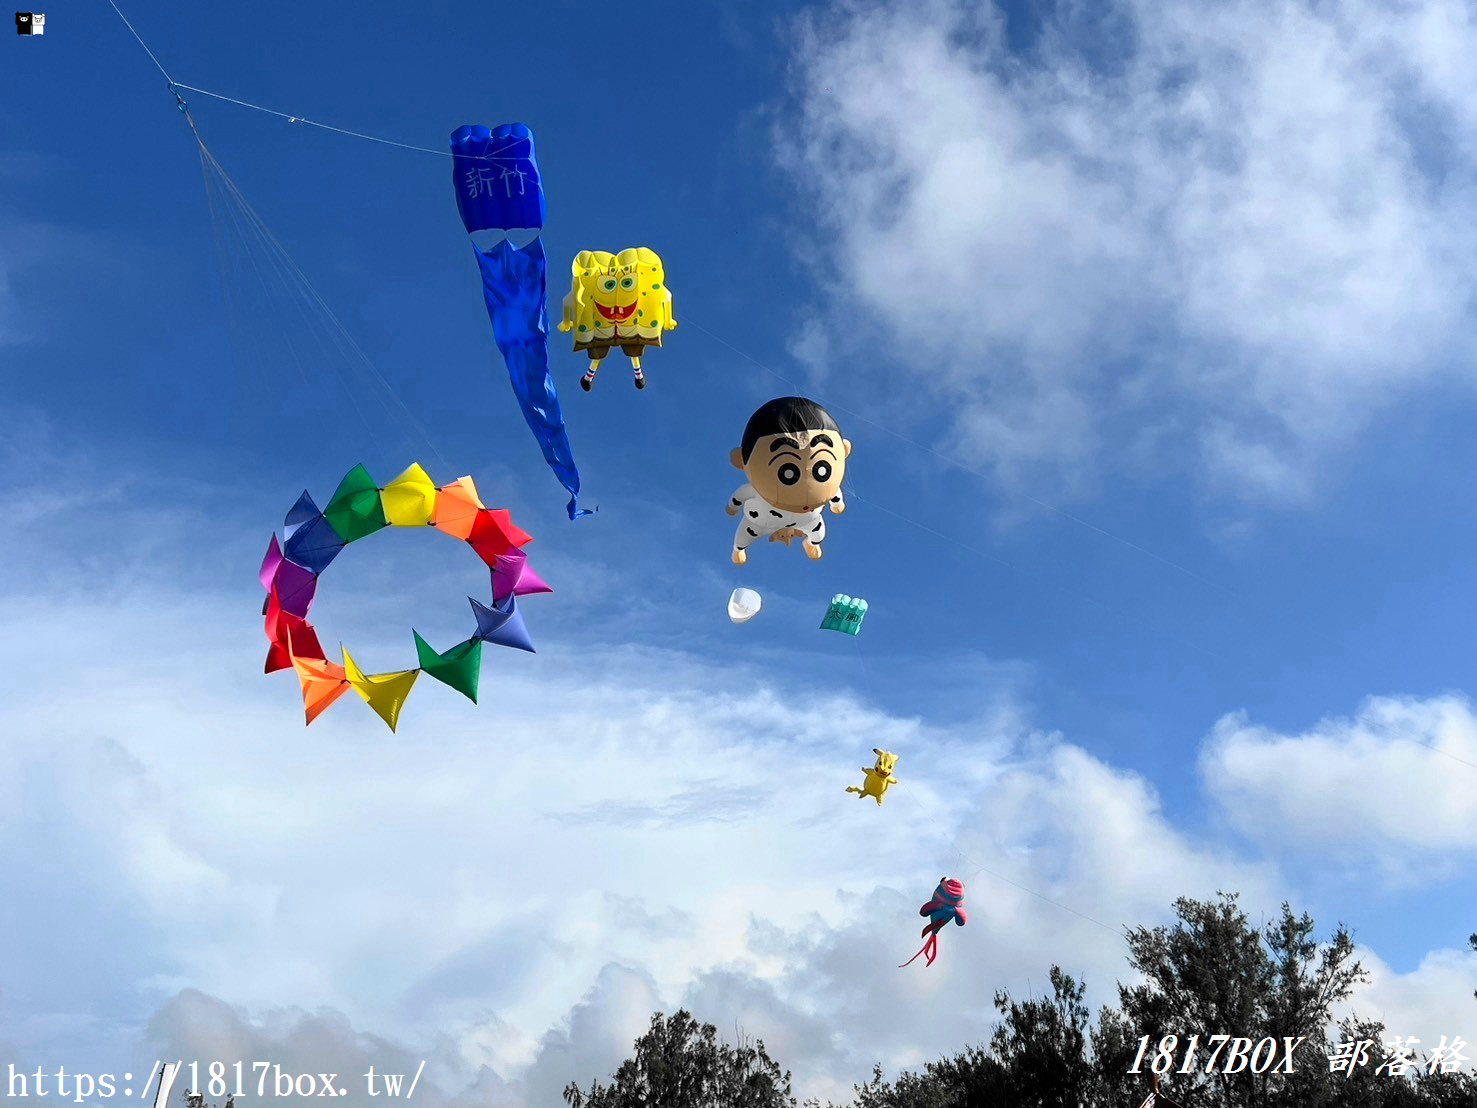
(617, 300)
(878, 777)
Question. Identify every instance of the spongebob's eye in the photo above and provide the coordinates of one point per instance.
(788, 473)
(608, 284)
(821, 471)
(628, 282)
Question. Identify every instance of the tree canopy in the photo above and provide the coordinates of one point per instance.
(681, 1064)
(1211, 972)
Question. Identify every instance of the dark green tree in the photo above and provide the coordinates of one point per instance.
(680, 1063)
(1041, 1047)
(1114, 1046)
(1038, 1058)
(1368, 1087)
(1213, 973)
(970, 1078)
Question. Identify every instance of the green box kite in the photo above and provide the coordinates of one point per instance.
(845, 614)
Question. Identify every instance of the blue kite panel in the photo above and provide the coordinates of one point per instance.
(496, 177)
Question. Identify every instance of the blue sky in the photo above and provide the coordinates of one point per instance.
(1188, 302)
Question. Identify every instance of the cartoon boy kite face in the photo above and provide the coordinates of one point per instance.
(793, 455)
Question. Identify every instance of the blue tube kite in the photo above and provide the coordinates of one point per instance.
(498, 188)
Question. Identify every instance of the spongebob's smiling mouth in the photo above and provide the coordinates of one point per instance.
(616, 313)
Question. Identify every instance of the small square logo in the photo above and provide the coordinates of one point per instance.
(23, 23)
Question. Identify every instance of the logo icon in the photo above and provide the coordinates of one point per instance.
(30, 23)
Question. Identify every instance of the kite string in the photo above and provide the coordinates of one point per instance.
(142, 43)
(173, 85)
(230, 211)
(490, 156)
(338, 334)
(315, 123)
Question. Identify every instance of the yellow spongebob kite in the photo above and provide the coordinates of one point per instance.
(878, 777)
(617, 300)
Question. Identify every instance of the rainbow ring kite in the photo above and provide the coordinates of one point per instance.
(312, 539)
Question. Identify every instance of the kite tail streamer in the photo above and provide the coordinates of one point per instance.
(513, 286)
(498, 187)
(929, 948)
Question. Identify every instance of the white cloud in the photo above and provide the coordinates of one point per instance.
(1391, 787)
(475, 873)
(811, 347)
(321, 1047)
(1433, 1000)
(508, 890)
(1261, 215)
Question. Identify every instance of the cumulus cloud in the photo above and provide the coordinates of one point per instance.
(1252, 223)
(1431, 1002)
(1391, 786)
(449, 1070)
(508, 891)
(306, 1050)
(478, 871)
